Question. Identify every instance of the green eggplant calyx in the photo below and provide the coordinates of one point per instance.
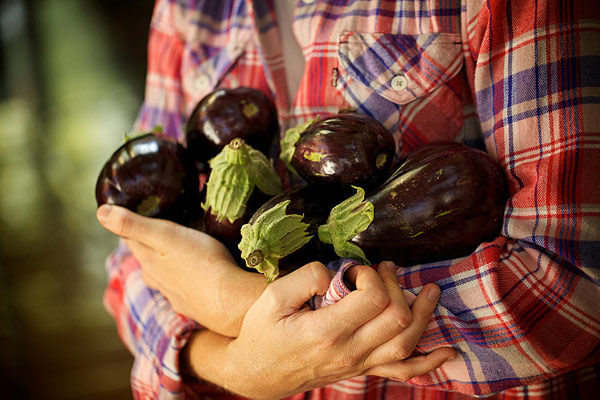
(235, 171)
(129, 136)
(288, 143)
(271, 237)
(263, 173)
(346, 220)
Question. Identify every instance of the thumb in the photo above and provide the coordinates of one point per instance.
(153, 232)
(289, 293)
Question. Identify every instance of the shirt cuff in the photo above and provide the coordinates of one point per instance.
(337, 288)
(156, 371)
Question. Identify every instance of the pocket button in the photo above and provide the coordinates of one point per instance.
(201, 82)
(399, 83)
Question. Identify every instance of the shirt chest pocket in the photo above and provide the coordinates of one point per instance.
(408, 82)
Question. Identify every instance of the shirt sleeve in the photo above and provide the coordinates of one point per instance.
(146, 323)
(524, 307)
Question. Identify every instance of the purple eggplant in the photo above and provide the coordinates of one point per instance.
(226, 114)
(282, 234)
(240, 181)
(152, 175)
(441, 203)
(343, 150)
(229, 233)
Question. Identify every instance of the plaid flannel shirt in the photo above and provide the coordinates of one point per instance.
(519, 79)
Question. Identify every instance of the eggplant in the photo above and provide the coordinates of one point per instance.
(229, 233)
(343, 150)
(441, 203)
(152, 175)
(226, 114)
(281, 236)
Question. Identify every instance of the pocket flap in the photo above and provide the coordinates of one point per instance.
(399, 67)
(201, 74)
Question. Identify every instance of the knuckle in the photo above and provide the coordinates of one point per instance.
(271, 297)
(379, 299)
(401, 351)
(327, 340)
(402, 318)
(316, 272)
(346, 360)
(123, 223)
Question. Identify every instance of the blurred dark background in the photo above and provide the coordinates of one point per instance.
(71, 82)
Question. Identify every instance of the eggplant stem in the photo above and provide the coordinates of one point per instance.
(235, 171)
(345, 221)
(288, 144)
(255, 258)
(236, 143)
(271, 237)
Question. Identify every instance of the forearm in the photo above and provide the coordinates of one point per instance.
(239, 291)
(203, 357)
(207, 357)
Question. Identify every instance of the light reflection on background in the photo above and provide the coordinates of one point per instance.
(71, 82)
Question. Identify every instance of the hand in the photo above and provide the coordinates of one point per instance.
(284, 347)
(194, 271)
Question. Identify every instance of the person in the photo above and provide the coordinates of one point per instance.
(519, 317)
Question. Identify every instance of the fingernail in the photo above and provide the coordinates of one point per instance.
(434, 293)
(103, 213)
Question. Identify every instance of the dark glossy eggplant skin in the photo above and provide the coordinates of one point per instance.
(226, 114)
(314, 205)
(229, 233)
(152, 175)
(345, 150)
(440, 203)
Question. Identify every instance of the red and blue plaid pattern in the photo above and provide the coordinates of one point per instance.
(518, 78)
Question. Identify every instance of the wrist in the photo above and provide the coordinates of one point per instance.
(204, 358)
(240, 290)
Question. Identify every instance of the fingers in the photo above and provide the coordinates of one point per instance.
(402, 345)
(153, 232)
(289, 293)
(145, 255)
(414, 366)
(394, 319)
(360, 306)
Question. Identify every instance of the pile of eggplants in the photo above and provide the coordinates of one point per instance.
(437, 203)
(353, 197)
(154, 175)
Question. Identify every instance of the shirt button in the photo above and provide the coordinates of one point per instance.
(399, 82)
(201, 82)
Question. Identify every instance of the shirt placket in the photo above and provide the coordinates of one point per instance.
(269, 49)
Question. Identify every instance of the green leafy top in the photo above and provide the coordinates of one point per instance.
(271, 237)
(288, 142)
(345, 221)
(235, 171)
